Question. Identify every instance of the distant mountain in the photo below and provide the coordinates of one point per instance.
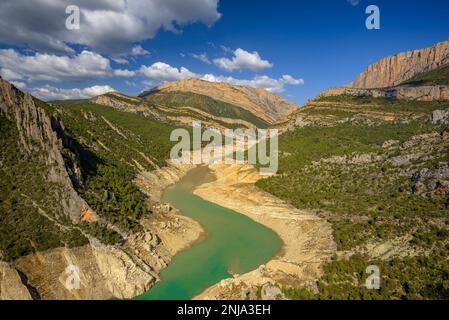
(259, 102)
(216, 104)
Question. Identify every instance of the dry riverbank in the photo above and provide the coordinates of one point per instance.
(119, 271)
(307, 239)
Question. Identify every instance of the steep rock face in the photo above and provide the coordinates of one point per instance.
(420, 93)
(11, 286)
(259, 102)
(40, 131)
(105, 272)
(394, 70)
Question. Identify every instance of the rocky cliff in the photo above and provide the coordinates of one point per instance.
(40, 131)
(419, 93)
(43, 213)
(394, 70)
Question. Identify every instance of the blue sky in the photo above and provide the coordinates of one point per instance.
(318, 44)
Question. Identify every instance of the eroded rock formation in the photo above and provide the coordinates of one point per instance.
(394, 70)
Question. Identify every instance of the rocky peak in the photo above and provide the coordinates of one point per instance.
(259, 102)
(397, 69)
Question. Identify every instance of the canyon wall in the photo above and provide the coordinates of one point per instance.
(394, 70)
(421, 93)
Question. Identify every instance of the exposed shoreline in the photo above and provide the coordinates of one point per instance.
(110, 271)
(307, 240)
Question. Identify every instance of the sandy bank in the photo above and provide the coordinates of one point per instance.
(307, 239)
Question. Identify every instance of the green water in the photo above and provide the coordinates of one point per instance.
(234, 244)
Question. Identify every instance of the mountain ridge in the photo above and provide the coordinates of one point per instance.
(396, 69)
(260, 102)
(219, 105)
(420, 75)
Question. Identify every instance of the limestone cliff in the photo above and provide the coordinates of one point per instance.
(418, 93)
(11, 286)
(394, 70)
(40, 130)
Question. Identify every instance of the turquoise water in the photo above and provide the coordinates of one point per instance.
(234, 244)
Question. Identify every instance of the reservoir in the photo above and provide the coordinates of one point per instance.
(234, 244)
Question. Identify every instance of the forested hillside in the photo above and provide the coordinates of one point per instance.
(378, 170)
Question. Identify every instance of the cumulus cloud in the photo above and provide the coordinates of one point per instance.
(264, 82)
(120, 60)
(243, 60)
(86, 65)
(49, 93)
(139, 51)
(162, 72)
(201, 57)
(288, 79)
(123, 73)
(19, 84)
(107, 26)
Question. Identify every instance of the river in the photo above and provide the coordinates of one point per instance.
(234, 244)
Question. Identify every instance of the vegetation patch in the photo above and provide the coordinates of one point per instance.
(374, 184)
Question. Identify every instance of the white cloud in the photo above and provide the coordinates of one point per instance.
(225, 49)
(130, 83)
(139, 51)
(149, 84)
(19, 84)
(123, 73)
(264, 82)
(49, 93)
(288, 79)
(120, 60)
(86, 65)
(107, 26)
(243, 60)
(201, 57)
(162, 72)
(9, 74)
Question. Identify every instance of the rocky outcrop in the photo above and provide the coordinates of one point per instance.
(39, 131)
(418, 93)
(104, 272)
(11, 286)
(394, 70)
(440, 117)
(125, 103)
(259, 102)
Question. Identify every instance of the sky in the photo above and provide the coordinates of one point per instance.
(292, 48)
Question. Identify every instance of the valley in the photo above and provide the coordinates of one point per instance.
(363, 181)
(232, 244)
